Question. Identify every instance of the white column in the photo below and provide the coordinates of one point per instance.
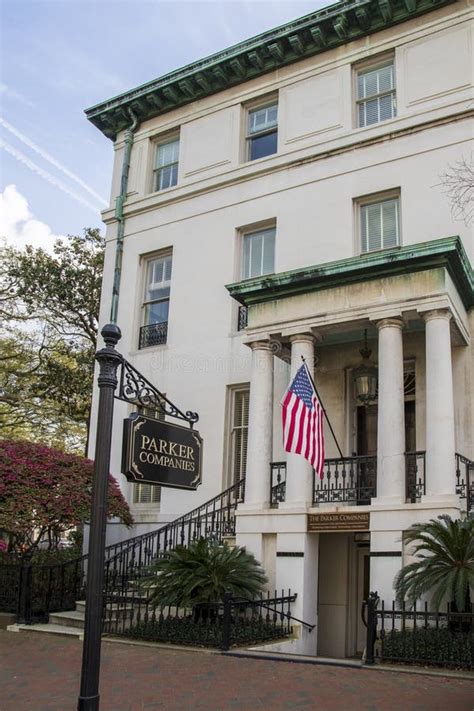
(299, 472)
(259, 448)
(391, 413)
(440, 442)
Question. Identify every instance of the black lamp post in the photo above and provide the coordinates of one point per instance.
(109, 360)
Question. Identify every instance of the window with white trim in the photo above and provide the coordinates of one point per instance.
(166, 166)
(379, 224)
(156, 301)
(262, 131)
(238, 431)
(258, 253)
(376, 94)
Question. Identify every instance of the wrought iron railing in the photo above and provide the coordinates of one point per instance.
(234, 621)
(33, 591)
(350, 480)
(242, 318)
(277, 482)
(415, 480)
(127, 567)
(155, 334)
(465, 480)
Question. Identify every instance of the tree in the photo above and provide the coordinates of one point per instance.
(50, 305)
(199, 575)
(444, 566)
(45, 492)
(458, 184)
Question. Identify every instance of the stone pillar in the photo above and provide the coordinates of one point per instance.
(259, 449)
(391, 413)
(299, 472)
(440, 442)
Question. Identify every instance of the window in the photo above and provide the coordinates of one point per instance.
(146, 494)
(166, 168)
(262, 131)
(379, 225)
(239, 425)
(376, 99)
(156, 302)
(259, 253)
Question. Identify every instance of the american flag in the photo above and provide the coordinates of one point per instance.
(303, 421)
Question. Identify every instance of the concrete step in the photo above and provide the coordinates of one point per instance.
(49, 629)
(81, 606)
(67, 619)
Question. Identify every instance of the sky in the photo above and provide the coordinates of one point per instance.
(59, 57)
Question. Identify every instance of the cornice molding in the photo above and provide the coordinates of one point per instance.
(307, 36)
(448, 253)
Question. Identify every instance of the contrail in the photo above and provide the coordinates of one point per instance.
(50, 159)
(45, 175)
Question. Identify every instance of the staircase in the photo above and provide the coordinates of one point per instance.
(62, 610)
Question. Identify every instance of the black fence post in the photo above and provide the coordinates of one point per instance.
(372, 603)
(24, 613)
(109, 361)
(226, 621)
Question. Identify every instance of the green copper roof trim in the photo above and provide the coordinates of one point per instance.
(447, 252)
(317, 32)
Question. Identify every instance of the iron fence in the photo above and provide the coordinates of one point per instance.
(33, 591)
(415, 480)
(126, 569)
(351, 480)
(465, 480)
(420, 636)
(232, 622)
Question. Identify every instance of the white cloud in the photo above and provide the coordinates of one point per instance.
(17, 224)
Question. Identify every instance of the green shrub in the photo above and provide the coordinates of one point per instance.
(430, 646)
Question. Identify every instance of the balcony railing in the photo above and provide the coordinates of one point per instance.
(242, 318)
(350, 480)
(278, 482)
(353, 480)
(415, 476)
(465, 480)
(154, 334)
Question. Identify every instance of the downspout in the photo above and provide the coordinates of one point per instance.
(119, 201)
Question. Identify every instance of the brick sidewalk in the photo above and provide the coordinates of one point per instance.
(41, 673)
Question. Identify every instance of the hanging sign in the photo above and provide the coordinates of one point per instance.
(157, 452)
(339, 522)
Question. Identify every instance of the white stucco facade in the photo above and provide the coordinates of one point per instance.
(418, 317)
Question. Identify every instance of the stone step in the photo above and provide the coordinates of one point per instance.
(81, 606)
(68, 619)
(49, 629)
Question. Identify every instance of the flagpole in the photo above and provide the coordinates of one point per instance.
(322, 406)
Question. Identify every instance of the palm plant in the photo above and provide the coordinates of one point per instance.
(199, 576)
(444, 565)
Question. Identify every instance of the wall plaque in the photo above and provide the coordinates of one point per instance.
(326, 522)
(157, 452)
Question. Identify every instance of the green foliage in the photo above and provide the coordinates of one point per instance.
(49, 304)
(45, 492)
(430, 646)
(444, 565)
(200, 575)
(207, 632)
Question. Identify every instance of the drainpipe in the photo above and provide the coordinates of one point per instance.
(119, 201)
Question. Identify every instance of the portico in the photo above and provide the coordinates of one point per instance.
(399, 462)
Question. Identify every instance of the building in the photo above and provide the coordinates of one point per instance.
(284, 199)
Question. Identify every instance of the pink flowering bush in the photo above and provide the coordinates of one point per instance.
(45, 492)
